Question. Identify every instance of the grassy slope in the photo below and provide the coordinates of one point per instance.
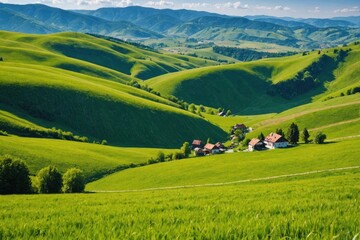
(322, 206)
(337, 117)
(93, 159)
(242, 87)
(78, 103)
(71, 50)
(233, 167)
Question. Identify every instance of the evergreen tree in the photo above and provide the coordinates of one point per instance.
(293, 134)
(305, 136)
(280, 132)
(261, 137)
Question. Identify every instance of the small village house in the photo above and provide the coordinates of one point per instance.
(199, 152)
(256, 144)
(274, 140)
(211, 148)
(197, 144)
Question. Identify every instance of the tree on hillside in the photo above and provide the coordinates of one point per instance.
(228, 113)
(1, 59)
(280, 132)
(49, 180)
(261, 137)
(305, 136)
(73, 181)
(14, 176)
(160, 157)
(192, 108)
(185, 149)
(319, 138)
(293, 134)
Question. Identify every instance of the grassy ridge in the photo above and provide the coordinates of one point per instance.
(93, 159)
(321, 206)
(243, 87)
(92, 55)
(240, 87)
(78, 104)
(234, 167)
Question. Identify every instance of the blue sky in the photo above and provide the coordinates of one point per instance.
(293, 8)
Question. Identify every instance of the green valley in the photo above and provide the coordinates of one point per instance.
(142, 123)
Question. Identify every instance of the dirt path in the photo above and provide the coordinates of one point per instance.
(335, 124)
(230, 183)
(342, 138)
(285, 118)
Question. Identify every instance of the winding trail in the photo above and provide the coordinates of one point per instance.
(230, 183)
(335, 124)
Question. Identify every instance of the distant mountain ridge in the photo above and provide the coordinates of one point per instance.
(137, 22)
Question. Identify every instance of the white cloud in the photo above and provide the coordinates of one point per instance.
(161, 3)
(276, 8)
(195, 5)
(348, 10)
(315, 10)
(234, 5)
(108, 3)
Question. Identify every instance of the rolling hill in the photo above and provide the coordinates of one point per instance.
(246, 87)
(36, 88)
(95, 56)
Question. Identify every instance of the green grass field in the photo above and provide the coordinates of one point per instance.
(243, 87)
(98, 109)
(234, 167)
(94, 159)
(95, 56)
(321, 206)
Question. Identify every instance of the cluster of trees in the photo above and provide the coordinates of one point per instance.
(42, 133)
(244, 54)
(1, 59)
(184, 152)
(293, 135)
(307, 79)
(15, 179)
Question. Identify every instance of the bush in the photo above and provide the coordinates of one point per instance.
(320, 138)
(49, 180)
(14, 176)
(73, 181)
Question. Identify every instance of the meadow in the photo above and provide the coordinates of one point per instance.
(234, 167)
(94, 159)
(320, 206)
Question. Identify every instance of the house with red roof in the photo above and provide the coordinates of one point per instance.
(274, 140)
(256, 144)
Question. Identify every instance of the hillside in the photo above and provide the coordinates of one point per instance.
(94, 56)
(59, 20)
(94, 159)
(264, 86)
(141, 24)
(39, 93)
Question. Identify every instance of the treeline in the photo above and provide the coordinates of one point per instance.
(41, 133)
(309, 78)
(246, 55)
(15, 179)
(118, 40)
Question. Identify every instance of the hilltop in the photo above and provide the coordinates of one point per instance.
(269, 85)
(45, 83)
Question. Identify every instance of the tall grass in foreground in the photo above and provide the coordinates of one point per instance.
(322, 206)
